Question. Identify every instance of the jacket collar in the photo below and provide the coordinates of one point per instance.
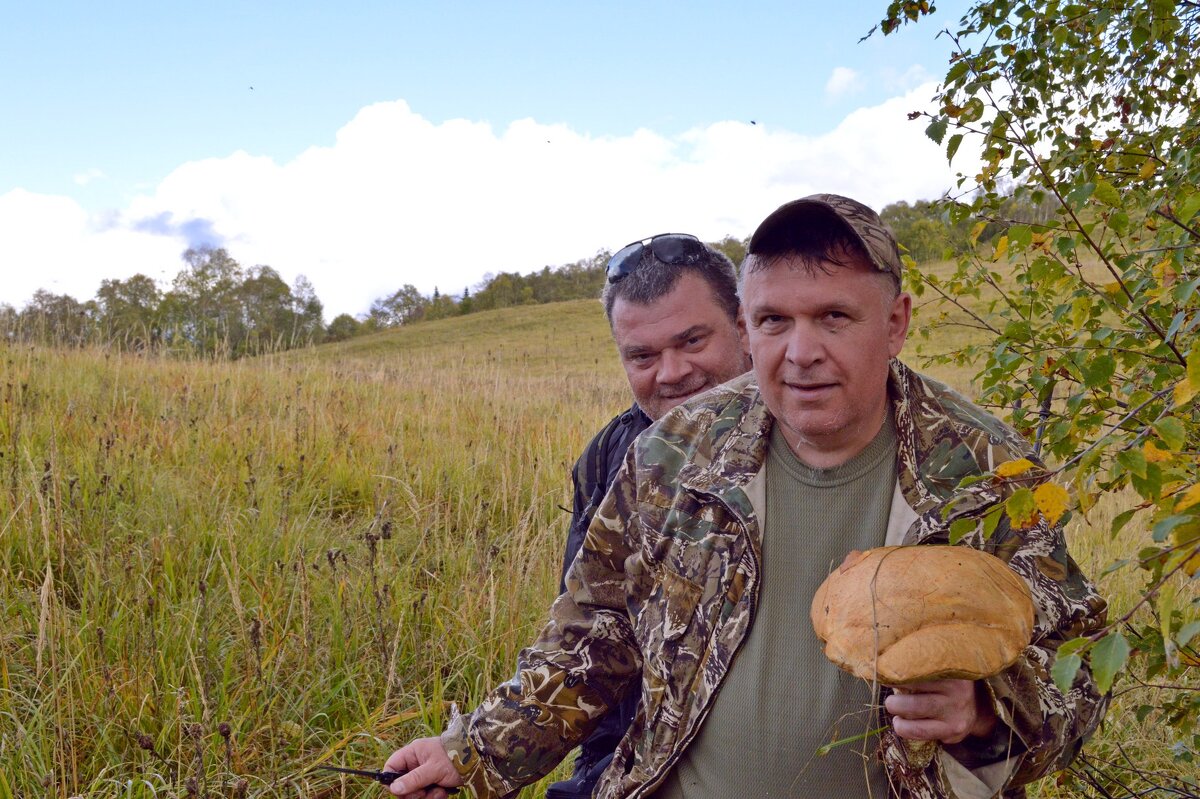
(942, 438)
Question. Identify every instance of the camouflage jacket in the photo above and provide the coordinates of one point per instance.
(665, 587)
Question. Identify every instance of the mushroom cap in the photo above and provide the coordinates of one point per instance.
(915, 613)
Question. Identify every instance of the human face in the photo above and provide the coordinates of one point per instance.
(821, 341)
(676, 347)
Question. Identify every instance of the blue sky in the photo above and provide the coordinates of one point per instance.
(381, 143)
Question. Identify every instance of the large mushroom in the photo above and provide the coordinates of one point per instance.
(903, 615)
(909, 614)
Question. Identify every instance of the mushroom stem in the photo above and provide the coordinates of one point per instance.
(918, 753)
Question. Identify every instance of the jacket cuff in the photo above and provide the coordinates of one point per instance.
(458, 748)
(478, 781)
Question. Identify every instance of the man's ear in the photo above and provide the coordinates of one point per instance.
(898, 322)
(742, 334)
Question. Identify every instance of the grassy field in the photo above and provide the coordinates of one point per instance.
(215, 576)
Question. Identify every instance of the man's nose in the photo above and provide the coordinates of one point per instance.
(805, 347)
(673, 367)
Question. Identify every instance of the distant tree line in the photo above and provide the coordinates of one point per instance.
(215, 307)
(926, 231)
(581, 279)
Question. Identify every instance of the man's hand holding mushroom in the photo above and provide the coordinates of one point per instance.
(948, 711)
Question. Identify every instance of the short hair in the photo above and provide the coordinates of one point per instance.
(814, 248)
(653, 279)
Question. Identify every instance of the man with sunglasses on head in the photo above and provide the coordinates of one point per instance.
(671, 303)
(694, 581)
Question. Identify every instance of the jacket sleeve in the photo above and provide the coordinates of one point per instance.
(581, 508)
(580, 666)
(1049, 724)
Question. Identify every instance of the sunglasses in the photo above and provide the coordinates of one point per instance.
(669, 248)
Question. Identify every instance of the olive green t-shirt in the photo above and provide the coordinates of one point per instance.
(782, 700)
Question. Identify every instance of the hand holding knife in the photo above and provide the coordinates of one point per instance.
(382, 777)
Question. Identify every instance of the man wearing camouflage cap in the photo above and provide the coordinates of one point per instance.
(694, 581)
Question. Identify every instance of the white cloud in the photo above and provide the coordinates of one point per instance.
(87, 176)
(842, 81)
(397, 199)
(51, 243)
(897, 82)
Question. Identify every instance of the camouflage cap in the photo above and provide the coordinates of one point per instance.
(788, 223)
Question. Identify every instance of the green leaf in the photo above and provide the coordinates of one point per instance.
(991, 520)
(1064, 669)
(956, 71)
(1188, 208)
(1099, 370)
(1079, 195)
(972, 111)
(960, 528)
(1172, 432)
(1108, 658)
(1021, 236)
(1115, 566)
(952, 146)
(1073, 646)
(1107, 194)
(1081, 310)
(1021, 508)
(1148, 485)
(1164, 527)
(1176, 323)
(937, 129)
(972, 479)
(1183, 291)
(1134, 461)
(1187, 633)
(1122, 519)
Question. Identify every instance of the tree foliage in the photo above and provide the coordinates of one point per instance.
(215, 307)
(1090, 111)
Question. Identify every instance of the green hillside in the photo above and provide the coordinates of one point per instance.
(553, 339)
(216, 575)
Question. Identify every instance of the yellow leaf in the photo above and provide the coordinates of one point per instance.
(1183, 537)
(1188, 659)
(1149, 167)
(1052, 500)
(1164, 272)
(1113, 288)
(1014, 468)
(975, 231)
(1154, 453)
(1001, 248)
(1190, 497)
(1186, 533)
(1184, 392)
